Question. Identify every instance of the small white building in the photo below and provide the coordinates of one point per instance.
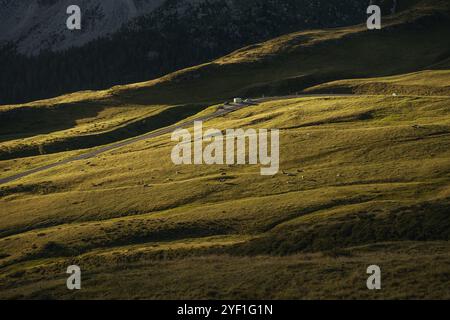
(237, 100)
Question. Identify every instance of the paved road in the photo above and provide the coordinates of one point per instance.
(97, 151)
(90, 154)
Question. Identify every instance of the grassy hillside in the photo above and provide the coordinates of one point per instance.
(297, 61)
(364, 179)
(429, 82)
(355, 171)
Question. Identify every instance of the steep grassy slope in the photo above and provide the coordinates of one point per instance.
(354, 171)
(296, 61)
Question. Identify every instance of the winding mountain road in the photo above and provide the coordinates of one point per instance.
(153, 134)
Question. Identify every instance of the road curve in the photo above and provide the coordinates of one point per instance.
(93, 153)
(221, 112)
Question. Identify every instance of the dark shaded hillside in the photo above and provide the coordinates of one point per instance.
(151, 46)
(295, 62)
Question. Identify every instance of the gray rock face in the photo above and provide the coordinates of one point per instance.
(36, 25)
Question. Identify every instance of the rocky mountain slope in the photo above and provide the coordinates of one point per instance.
(41, 24)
